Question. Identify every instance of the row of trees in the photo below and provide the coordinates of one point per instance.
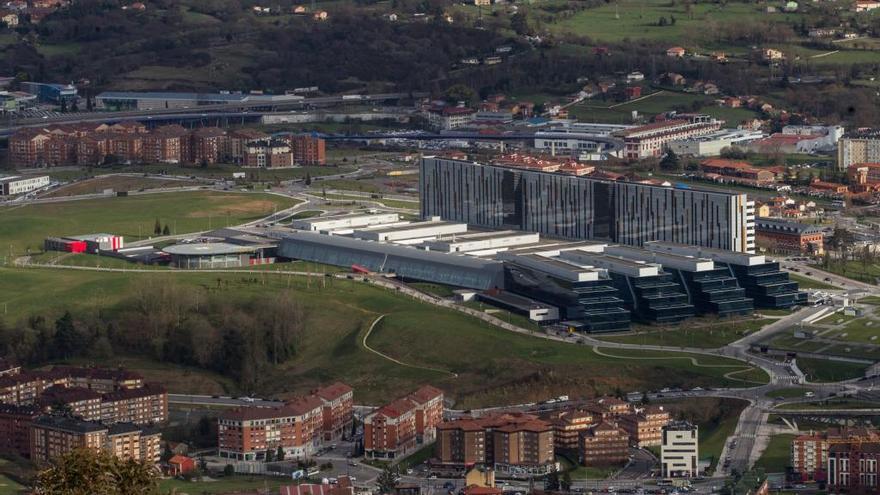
(174, 324)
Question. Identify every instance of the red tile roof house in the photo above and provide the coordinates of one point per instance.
(675, 51)
(180, 464)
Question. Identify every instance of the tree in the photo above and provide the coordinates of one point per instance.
(308, 180)
(157, 228)
(565, 483)
(87, 472)
(228, 470)
(67, 339)
(460, 92)
(551, 482)
(166, 230)
(387, 480)
(841, 240)
(280, 454)
(270, 455)
(519, 22)
(670, 161)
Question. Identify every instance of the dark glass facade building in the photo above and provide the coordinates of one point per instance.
(596, 303)
(574, 207)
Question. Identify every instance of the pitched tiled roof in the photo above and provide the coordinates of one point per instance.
(426, 393)
(333, 391)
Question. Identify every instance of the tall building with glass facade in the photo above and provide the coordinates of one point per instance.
(577, 207)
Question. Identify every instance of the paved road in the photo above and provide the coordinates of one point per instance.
(225, 109)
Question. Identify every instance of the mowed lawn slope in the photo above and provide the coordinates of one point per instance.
(491, 366)
(25, 227)
(635, 20)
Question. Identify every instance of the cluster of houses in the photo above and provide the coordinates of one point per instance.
(15, 12)
(495, 109)
(300, 10)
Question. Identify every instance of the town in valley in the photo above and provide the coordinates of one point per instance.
(439, 247)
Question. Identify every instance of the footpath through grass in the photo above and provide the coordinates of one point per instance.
(494, 366)
(23, 228)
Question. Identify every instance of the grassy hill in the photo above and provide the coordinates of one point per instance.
(476, 363)
(25, 227)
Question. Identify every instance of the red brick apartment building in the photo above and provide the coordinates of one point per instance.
(603, 445)
(568, 425)
(853, 467)
(299, 427)
(810, 453)
(645, 425)
(338, 404)
(785, 236)
(93, 144)
(15, 428)
(92, 394)
(54, 436)
(396, 429)
(207, 145)
(308, 150)
(508, 442)
(166, 144)
(238, 140)
(642, 424)
(267, 154)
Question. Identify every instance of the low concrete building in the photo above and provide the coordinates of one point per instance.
(15, 185)
(198, 255)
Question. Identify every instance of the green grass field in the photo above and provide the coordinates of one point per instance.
(390, 203)
(861, 330)
(823, 370)
(695, 333)
(439, 290)
(23, 228)
(855, 270)
(9, 487)
(731, 116)
(713, 436)
(621, 113)
(348, 185)
(808, 283)
(631, 19)
(833, 404)
(777, 456)
(493, 365)
(232, 484)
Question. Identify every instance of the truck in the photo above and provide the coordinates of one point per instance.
(352, 97)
